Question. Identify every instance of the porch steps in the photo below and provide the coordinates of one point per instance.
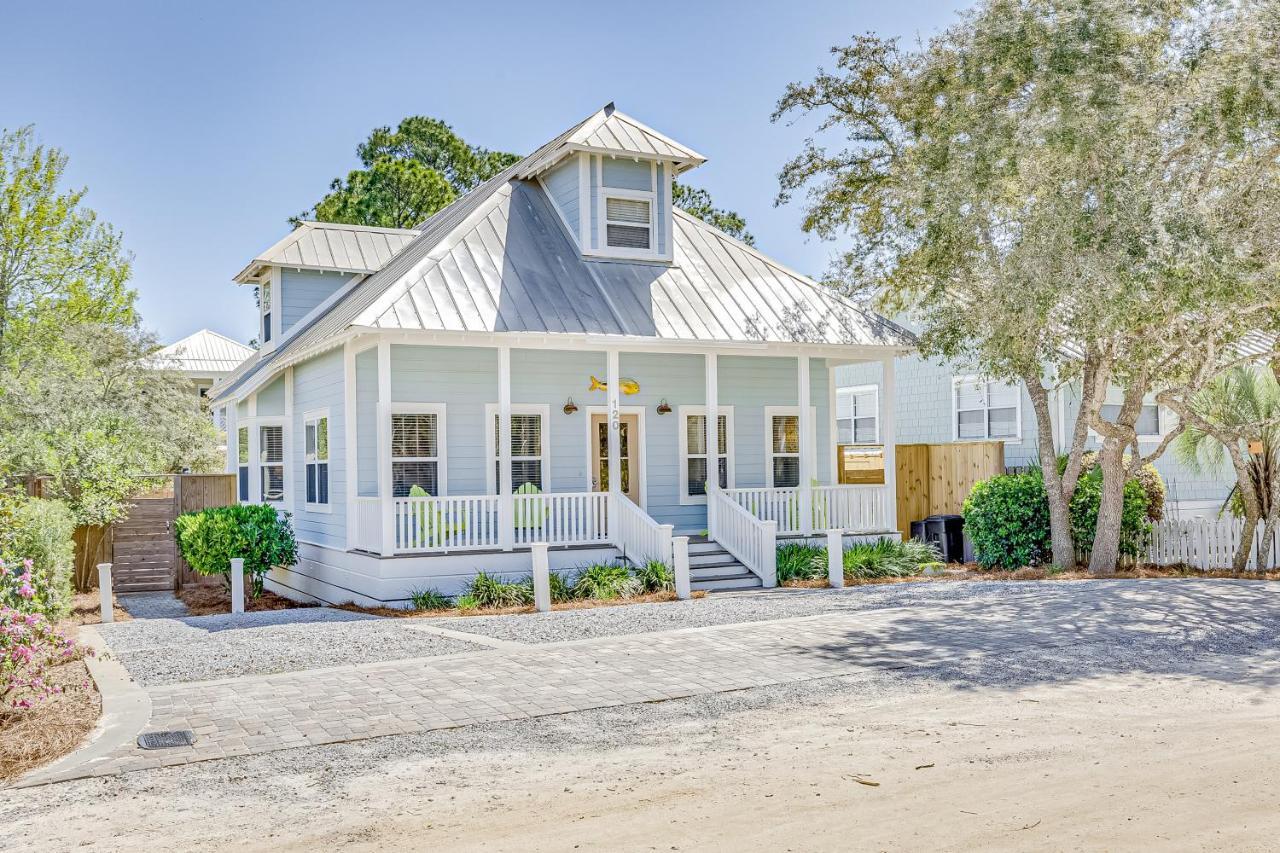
(713, 569)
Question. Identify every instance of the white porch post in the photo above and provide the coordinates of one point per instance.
(350, 459)
(806, 444)
(233, 442)
(506, 500)
(615, 425)
(712, 380)
(387, 544)
(888, 439)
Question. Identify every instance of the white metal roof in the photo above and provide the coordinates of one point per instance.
(614, 132)
(333, 246)
(205, 353)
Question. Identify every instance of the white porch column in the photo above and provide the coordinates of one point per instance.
(350, 459)
(387, 545)
(615, 423)
(888, 439)
(255, 452)
(806, 443)
(233, 441)
(506, 500)
(286, 437)
(713, 427)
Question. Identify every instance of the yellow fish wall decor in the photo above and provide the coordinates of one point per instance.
(628, 386)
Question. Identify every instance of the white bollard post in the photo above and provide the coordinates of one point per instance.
(835, 558)
(237, 585)
(541, 577)
(104, 592)
(680, 556)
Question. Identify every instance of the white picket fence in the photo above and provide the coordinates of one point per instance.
(1206, 543)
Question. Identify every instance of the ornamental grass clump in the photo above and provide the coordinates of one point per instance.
(605, 581)
(798, 561)
(486, 590)
(886, 558)
(655, 576)
(429, 599)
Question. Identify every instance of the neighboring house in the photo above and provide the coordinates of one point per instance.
(538, 362)
(939, 402)
(203, 357)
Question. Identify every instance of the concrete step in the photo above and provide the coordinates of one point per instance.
(729, 584)
(710, 558)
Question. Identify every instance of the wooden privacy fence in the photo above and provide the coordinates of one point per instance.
(193, 492)
(933, 479)
(1207, 543)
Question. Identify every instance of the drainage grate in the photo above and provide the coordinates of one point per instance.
(166, 740)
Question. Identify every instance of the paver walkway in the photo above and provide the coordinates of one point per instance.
(1164, 627)
(152, 605)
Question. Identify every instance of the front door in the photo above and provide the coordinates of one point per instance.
(629, 426)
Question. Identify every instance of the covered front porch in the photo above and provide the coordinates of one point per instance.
(599, 447)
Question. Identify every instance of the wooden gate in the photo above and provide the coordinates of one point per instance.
(193, 492)
(142, 553)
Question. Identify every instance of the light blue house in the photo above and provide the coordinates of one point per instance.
(538, 363)
(938, 402)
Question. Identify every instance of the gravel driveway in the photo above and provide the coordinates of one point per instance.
(199, 648)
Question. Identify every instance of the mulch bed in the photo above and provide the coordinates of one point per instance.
(580, 604)
(974, 572)
(213, 600)
(87, 610)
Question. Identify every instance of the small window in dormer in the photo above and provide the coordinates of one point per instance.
(628, 223)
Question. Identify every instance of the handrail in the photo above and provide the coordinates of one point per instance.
(635, 533)
(754, 542)
(855, 508)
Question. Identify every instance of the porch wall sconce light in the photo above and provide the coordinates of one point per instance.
(664, 408)
(570, 407)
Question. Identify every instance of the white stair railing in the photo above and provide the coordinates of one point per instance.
(753, 541)
(633, 532)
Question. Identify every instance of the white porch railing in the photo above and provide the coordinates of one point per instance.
(570, 518)
(752, 540)
(445, 524)
(636, 535)
(368, 527)
(856, 509)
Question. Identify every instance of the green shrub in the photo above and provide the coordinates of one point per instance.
(561, 589)
(1007, 519)
(655, 576)
(605, 581)
(40, 531)
(262, 537)
(886, 558)
(1150, 479)
(466, 602)
(801, 561)
(492, 591)
(429, 599)
(1133, 519)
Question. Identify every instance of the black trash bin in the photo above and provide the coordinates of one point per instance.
(946, 533)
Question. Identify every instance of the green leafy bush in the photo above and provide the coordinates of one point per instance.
(886, 558)
(1007, 519)
(210, 538)
(429, 599)
(38, 538)
(801, 561)
(488, 590)
(1149, 478)
(655, 576)
(1134, 527)
(605, 581)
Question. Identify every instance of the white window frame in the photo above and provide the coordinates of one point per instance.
(770, 412)
(442, 448)
(853, 391)
(683, 413)
(245, 465)
(272, 421)
(491, 443)
(309, 418)
(956, 382)
(595, 164)
(1164, 417)
(271, 306)
(650, 197)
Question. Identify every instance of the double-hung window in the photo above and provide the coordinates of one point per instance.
(695, 466)
(986, 410)
(417, 452)
(242, 463)
(784, 451)
(1148, 424)
(529, 447)
(858, 415)
(271, 462)
(628, 223)
(316, 459)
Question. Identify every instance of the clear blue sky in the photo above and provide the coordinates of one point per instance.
(200, 128)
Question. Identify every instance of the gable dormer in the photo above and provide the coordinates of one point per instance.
(309, 267)
(610, 180)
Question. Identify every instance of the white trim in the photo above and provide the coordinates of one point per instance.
(251, 421)
(271, 307)
(440, 410)
(257, 463)
(602, 220)
(682, 414)
(308, 418)
(490, 442)
(387, 537)
(853, 390)
(638, 449)
(584, 201)
(886, 429)
(957, 381)
(290, 494)
(770, 412)
(351, 459)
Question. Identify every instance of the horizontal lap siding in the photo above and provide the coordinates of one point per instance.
(551, 377)
(303, 290)
(271, 398)
(317, 384)
(562, 186)
(367, 422)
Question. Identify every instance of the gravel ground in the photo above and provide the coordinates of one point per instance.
(198, 648)
(730, 608)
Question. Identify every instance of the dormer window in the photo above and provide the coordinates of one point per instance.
(629, 222)
(264, 302)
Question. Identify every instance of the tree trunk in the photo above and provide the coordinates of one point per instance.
(1241, 559)
(1063, 543)
(1106, 539)
(1268, 538)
